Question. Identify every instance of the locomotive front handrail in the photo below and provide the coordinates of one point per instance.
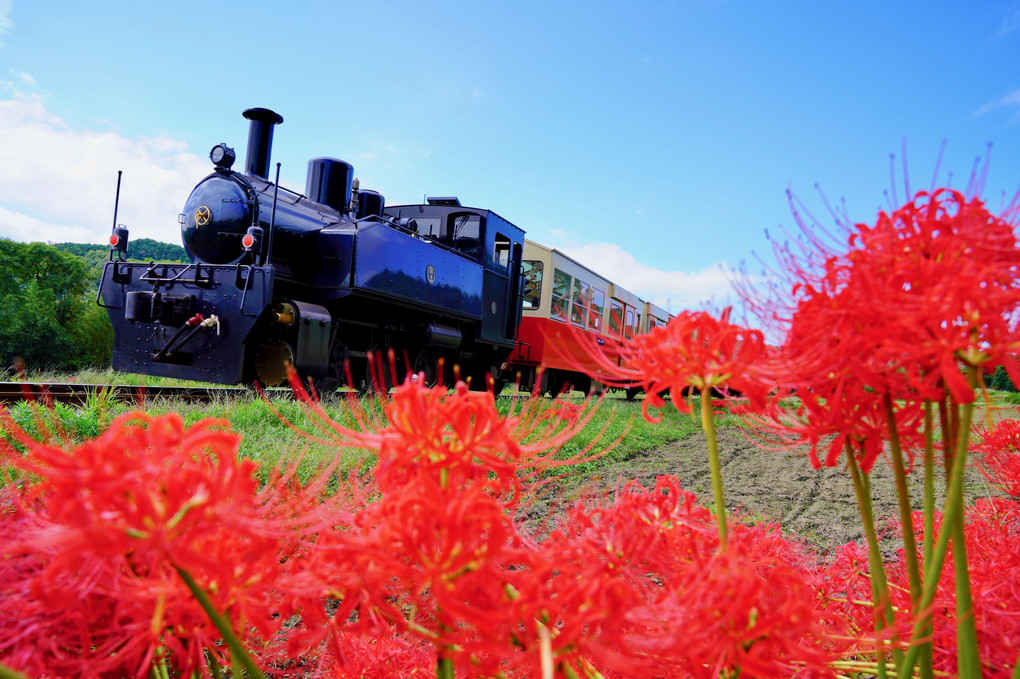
(163, 280)
(247, 286)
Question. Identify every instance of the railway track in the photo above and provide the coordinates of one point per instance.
(78, 394)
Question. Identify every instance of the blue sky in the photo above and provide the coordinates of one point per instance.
(653, 141)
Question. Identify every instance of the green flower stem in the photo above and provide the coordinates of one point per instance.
(879, 584)
(708, 424)
(214, 665)
(568, 671)
(1016, 668)
(968, 660)
(948, 438)
(927, 653)
(903, 496)
(444, 668)
(8, 673)
(929, 482)
(952, 514)
(237, 651)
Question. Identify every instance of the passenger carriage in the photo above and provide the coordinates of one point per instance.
(562, 297)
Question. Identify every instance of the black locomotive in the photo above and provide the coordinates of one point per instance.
(316, 281)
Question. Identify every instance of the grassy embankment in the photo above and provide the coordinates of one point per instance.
(267, 426)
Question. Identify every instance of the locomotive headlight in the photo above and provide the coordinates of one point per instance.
(222, 156)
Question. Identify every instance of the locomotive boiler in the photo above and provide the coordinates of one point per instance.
(316, 280)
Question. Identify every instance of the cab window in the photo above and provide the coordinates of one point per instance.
(560, 295)
(430, 227)
(532, 283)
(465, 232)
(501, 251)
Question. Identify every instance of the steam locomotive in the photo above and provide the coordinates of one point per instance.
(316, 280)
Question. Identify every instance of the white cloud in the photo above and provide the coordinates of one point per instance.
(5, 17)
(1010, 21)
(1010, 100)
(672, 290)
(58, 183)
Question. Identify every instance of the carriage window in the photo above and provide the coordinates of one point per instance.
(630, 325)
(532, 283)
(501, 252)
(615, 318)
(560, 295)
(579, 309)
(637, 323)
(598, 305)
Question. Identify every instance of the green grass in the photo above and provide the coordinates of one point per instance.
(267, 427)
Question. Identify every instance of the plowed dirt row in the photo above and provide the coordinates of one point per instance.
(782, 486)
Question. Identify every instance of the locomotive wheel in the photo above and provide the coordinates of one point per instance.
(632, 393)
(271, 362)
(425, 362)
(325, 387)
(553, 383)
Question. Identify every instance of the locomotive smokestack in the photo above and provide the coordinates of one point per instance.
(260, 140)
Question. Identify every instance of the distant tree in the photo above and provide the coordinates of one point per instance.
(146, 249)
(1001, 381)
(31, 329)
(48, 314)
(82, 250)
(139, 250)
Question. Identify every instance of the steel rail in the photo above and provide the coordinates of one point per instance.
(78, 394)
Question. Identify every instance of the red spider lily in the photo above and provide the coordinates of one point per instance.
(942, 273)
(750, 611)
(993, 549)
(596, 580)
(931, 286)
(694, 350)
(458, 437)
(1000, 451)
(432, 556)
(110, 523)
(639, 588)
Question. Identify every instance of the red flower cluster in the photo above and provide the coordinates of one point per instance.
(1000, 455)
(928, 290)
(91, 551)
(992, 540)
(640, 587)
(426, 561)
(694, 350)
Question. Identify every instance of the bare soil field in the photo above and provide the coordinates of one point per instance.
(817, 505)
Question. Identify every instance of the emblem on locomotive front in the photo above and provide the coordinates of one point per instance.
(430, 274)
(202, 216)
